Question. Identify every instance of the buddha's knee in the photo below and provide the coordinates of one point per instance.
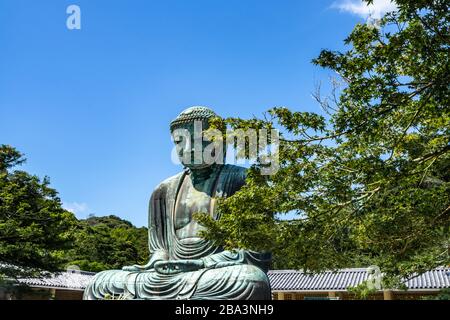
(110, 283)
(255, 281)
(252, 274)
(234, 282)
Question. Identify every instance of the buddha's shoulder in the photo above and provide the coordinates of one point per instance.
(169, 182)
(234, 170)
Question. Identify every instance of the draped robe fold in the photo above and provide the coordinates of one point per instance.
(244, 278)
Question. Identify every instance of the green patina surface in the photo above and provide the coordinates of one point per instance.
(182, 265)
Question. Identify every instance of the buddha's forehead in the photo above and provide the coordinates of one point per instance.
(200, 125)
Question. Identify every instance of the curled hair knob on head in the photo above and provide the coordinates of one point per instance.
(192, 114)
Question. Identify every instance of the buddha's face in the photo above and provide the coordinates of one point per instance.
(190, 144)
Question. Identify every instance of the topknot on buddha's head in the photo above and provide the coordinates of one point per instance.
(192, 114)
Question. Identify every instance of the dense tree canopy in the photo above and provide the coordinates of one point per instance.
(109, 242)
(37, 235)
(34, 228)
(369, 177)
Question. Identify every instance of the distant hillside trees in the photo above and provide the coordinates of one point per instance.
(108, 243)
(37, 234)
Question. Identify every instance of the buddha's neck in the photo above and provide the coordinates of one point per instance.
(203, 174)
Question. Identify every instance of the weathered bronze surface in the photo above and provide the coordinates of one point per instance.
(182, 265)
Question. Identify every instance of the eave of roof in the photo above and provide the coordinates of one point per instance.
(73, 279)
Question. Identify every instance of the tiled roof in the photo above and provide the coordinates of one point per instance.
(72, 279)
(297, 280)
(280, 280)
(292, 280)
(435, 279)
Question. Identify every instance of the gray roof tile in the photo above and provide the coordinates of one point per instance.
(75, 280)
(292, 280)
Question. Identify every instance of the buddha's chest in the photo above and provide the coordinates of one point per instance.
(192, 199)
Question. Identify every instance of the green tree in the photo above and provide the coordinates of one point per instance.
(108, 242)
(38, 236)
(34, 229)
(369, 178)
(444, 294)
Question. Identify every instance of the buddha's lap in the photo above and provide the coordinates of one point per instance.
(236, 273)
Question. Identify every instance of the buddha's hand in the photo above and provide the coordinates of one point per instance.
(139, 268)
(134, 268)
(178, 266)
(224, 264)
(155, 257)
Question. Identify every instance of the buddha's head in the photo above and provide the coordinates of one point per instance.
(187, 133)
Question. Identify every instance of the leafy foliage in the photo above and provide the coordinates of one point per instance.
(444, 294)
(369, 179)
(38, 236)
(34, 228)
(362, 291)
(103, 243)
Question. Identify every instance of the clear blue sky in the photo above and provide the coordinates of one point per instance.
(90, 108)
